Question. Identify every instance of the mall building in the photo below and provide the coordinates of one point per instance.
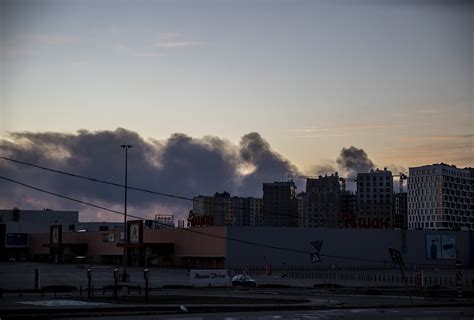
(237, 247)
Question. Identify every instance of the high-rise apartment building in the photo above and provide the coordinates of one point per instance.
(255, 213)
(229, 211)
(440, 196)
(400, 213)
(348, 208)
(301, 200)
(280, 206)
(220, 207)
(375, 199)
(323, 202)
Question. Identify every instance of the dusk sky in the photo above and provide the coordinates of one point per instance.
(310, 76)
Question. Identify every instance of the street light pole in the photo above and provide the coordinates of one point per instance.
(126, 147)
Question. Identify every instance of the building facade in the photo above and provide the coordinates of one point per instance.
(375, 199)
(255, 213)
(229, 211)
(301, 199)
(280, 206)
(163, 221)
(400, 214)
(219, 207)
(32, 221)
(348, 208)
(323, 202)
(440, 196)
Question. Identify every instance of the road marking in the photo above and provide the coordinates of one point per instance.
(362, 310)
(64, 303)
(441, 311)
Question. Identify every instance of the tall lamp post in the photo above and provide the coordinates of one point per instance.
(126, 147)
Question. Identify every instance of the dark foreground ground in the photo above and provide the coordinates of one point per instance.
(240, 304)
(355, 314)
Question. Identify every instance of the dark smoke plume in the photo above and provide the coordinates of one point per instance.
(323, 169)
(180, 165)
(353, 160)
(268, 165)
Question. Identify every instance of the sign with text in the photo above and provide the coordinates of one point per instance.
(55, 235)
(17, 240)
(135, 231)
(352, 221)
(209, 278)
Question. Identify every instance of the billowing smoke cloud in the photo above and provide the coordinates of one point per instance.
(180, 165)
(268, 166)
(323, 169)
(353, 160)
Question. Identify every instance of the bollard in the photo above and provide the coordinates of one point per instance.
(115, 283)
(139, 290)
(80, 291)
(89, 280)
(37, 278)
(146, 276)
(92, 290)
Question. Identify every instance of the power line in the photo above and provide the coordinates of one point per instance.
(142, 189)
(141, 218)
(203, 233)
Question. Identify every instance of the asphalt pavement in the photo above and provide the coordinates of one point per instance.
(352, 314)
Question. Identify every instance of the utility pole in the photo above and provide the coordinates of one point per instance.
(126, 147)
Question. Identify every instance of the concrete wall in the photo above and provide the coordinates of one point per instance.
(369, 244)
(36, 243)
(94, 240)
(189, 243)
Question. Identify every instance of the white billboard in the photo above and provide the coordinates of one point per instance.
(209, 278)
(440, 247)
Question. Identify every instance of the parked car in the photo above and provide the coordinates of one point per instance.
(243, 281)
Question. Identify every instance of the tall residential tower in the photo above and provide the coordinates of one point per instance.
(440, 196)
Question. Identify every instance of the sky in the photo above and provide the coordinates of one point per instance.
(394, 78)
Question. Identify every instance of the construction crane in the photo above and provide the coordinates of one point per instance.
(343, 182)
(301, 177)
(402, 176)
(341, 179)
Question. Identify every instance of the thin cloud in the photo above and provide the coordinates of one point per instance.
(428, 111)
(176, 44)
(50, 39)
(175, 40)
(346, 127)
(148, 54)
(326, 135)
(435, 138)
